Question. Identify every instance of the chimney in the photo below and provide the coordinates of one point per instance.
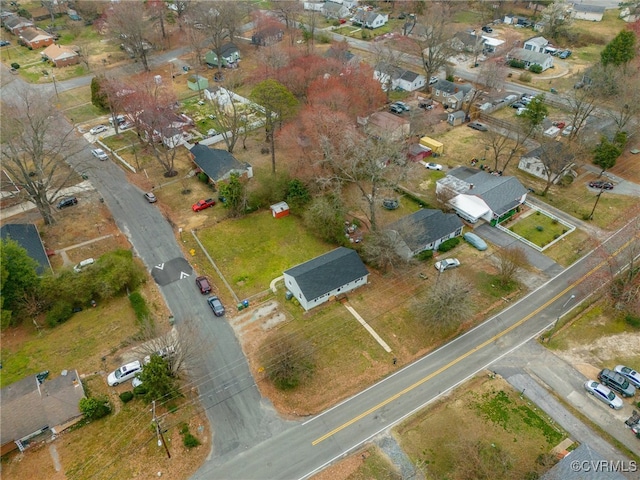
(471, 186)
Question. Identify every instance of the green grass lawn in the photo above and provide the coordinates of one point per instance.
(78, 343)
(123, 139)
(253, 250)
(538, 228)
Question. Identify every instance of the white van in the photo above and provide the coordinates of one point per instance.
(83, 264)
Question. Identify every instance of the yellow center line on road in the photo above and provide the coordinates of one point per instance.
(473, 350)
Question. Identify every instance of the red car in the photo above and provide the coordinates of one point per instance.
(204, 285)
(202, 204)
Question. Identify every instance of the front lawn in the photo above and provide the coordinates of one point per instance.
(253, 250)
(538, 228)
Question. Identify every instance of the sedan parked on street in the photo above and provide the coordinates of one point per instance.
(604, 394)
(216, 306)
(99, 154)
(203, 285)
(446, 264)
(602, 185)
(150, 197)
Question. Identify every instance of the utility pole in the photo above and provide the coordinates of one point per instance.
(161, 441)
(595, 204)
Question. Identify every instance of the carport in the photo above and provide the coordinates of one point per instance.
(470, 208)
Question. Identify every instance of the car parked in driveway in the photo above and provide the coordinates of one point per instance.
(433, 166)
(564, 54)
(164, 353)
(475, 241)
(397, 109)
(98, 129)
(67, 202)
(83, 264)
(602, 185)
(124, 373)
(433, 80)
(616, 381)
(446, 264)
(477, 126)
(203, 204)
(402, 105)
(99, 154)
(604, 394)
(216, 306)
(4, 43)
(630, 374)
(150, 197)
(203, 285)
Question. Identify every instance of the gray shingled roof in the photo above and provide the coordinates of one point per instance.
(501, 194)
(552, 148)
(425, 227)
(409, 76)
(216, 163)
(587, 456)
(451, 88)
(529, 56)
(26, 235)
(25, 408)
(328, 272)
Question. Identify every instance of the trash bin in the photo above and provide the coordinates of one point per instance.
(245, 303)
(240, 306)
(288, 295)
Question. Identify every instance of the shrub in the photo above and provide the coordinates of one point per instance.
(324, 38)
(203, 177)
(425, 255)
(94, 408)
(525, 77)
(189, 441)
(140, 390)
(539, 228)
(449, 244)
(632, 320)
(139, 305)
(515, 63)
(535, 68)
(126, 396)
(59, 313)
(15, 65)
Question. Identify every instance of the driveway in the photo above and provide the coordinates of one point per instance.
(504, 240)
(536, 371)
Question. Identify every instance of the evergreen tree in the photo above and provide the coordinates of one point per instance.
(619, 51)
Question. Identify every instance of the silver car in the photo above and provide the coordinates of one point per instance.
(630, 374)
(604, 394)
(446, 264)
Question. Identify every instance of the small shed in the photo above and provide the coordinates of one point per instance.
(456, 118)
(197, 82)
(418, 152)
(280, 209)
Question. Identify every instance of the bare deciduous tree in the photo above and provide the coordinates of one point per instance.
(36, 143)
(130, 26)
(287, 359)
(492, 74)
(503, 146)
(448, 302)
(582, 103)
(382, 250)
(556, 159)
(511, 261)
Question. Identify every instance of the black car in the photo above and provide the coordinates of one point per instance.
(67, 202)
(397, 109)
(601, 185)
(487, 29)
(4, 43)
(477, 126)
(216, 306)
(517, 105)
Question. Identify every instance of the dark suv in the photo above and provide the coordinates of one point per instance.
(617, 382)
(216, 306)
(67, 202)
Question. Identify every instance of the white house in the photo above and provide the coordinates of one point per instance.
(532, 58)
(536, 163)
(536, 44)
(369, 19)
(477, 195)
(318, 280)
(398, 78)
(313, 6)
(334, 10)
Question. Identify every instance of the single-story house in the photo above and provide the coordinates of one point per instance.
(61, 56)
(456, 118)
(369, 19)
(491, 44)
(34, 405)
(451, 95)
(318, 280)
(468, 42)
(476, 195)
(313, 6)
(229, 53)
(536, 44)
(551, 159)
(344, 56)
(197, 82)
(335, 10)
(593, 13)
(26, 235)
(218, 164)
(566, 469)
(530, 57)
(267, 36)
(35, 38)
(398, 78)
(424, 230)
(16, 24)
(386, 125)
